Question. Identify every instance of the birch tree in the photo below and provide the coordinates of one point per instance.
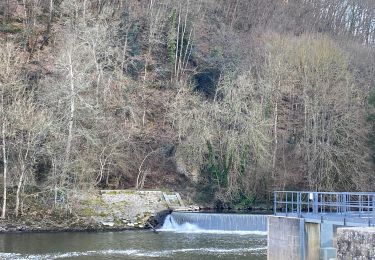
(9, 82)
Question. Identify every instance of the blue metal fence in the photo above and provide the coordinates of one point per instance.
(350, 204)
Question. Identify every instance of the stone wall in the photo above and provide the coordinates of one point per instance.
(122, 208)
(356, 243)
(94, 211)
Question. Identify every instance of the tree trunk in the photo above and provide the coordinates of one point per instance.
(177, 41)
(275, 139)
(3, 213)
(179, 66)
(49, 25)
(19, 189)
(234, 14)
(72, 112)
(138, 183)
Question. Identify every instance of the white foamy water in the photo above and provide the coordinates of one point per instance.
(180, 222)
(134, 253)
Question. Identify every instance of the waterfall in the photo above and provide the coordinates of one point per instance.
(215, 223)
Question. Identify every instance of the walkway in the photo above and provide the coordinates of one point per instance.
(304, 225)
(341, 208)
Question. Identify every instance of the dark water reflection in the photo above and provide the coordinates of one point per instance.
(132, 245)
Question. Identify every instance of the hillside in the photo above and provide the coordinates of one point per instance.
(223, 101)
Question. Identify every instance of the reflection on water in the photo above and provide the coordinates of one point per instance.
(133, 245)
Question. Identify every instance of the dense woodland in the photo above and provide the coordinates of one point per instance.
(223, 100)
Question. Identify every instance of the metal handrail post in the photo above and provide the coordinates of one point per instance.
(292, 203)
(286, 203)
(315, 202)
(274, 202)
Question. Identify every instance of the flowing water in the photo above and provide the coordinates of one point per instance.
(185, 236)
(215, 223)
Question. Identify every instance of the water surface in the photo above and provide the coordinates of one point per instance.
(133, 245)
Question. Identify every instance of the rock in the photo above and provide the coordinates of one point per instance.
(356, 243)
(189, 208)
(159, 218)
(108, 224)
(22, 228)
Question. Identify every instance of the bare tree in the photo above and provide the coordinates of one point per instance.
(9, 81)
(31, 124)
(232, 129)
(329, 141)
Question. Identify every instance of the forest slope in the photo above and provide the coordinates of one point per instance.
(222, 100)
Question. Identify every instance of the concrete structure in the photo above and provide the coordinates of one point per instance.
(284, 238)
(312, 240)
(292, 238)
(305, 224)
(356, 243)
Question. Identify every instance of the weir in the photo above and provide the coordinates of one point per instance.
(214, 222)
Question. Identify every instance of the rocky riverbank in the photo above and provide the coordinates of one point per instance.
(113, 210)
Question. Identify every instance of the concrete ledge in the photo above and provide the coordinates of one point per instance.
(356, 243)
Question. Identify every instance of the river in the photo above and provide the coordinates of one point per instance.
(185, 241)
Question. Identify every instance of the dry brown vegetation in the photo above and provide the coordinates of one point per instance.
(227, 99)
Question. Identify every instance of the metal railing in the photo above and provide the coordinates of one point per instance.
(353, 204)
